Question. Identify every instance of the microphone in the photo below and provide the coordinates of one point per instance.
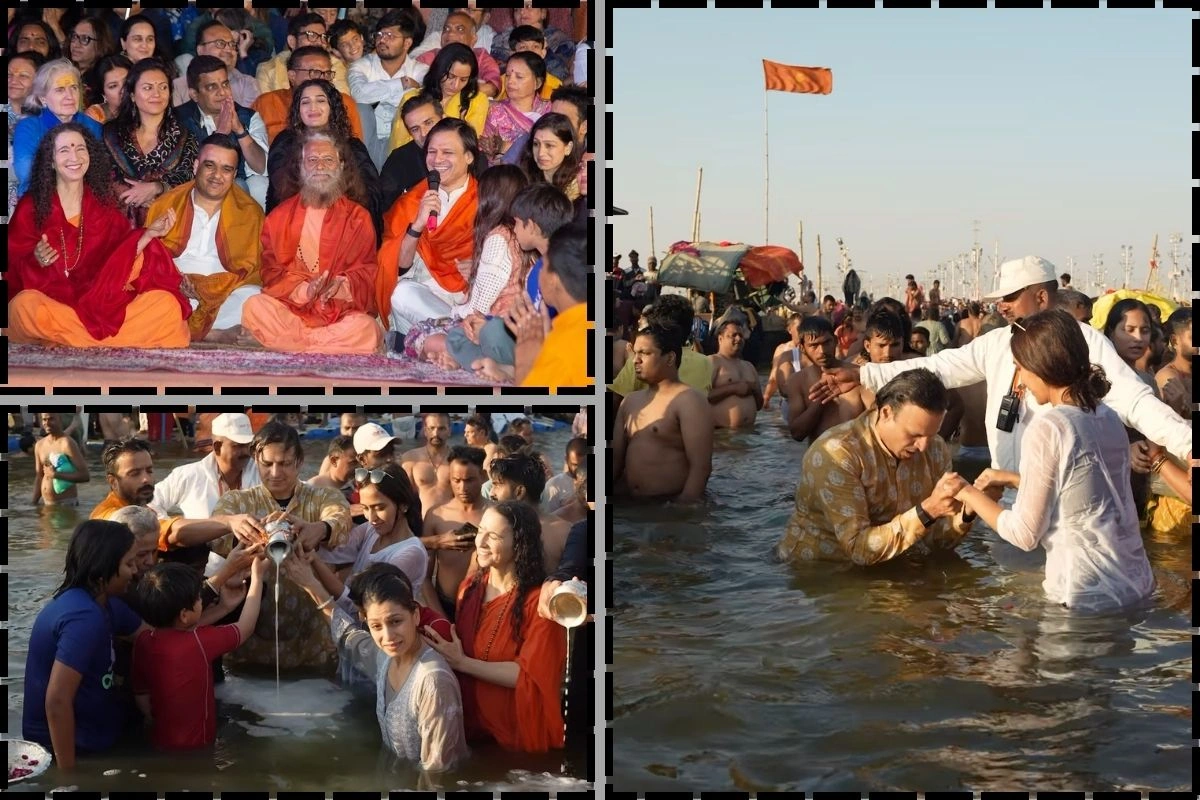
(435, 180)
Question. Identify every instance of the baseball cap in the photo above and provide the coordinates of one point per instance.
(1019, 273)
(371, 437)
(234, 427)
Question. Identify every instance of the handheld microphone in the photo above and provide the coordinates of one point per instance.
(435, 180)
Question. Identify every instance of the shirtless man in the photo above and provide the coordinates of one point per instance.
(116, 427)
(350, 422)
(476, 434)
(427, 466)
(58, 459)
(787, 354)
(338, 467)
(663, 436)
(578, 508)
(1174, 380)
(450, 546)
(968, 326)
(735, 396)
(808, 420)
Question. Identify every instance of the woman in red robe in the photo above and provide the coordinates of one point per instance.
(78, 274)
(509, 660)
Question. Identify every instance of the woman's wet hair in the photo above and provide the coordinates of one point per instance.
(383, 586)
(165, 590)
(918, 387)
(526, 553)
(1050, 344)
(355, 585)
(94, 555)
(399, 489)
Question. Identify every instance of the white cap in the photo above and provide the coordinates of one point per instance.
(1019, 273)
(234, 427)
(371, 437)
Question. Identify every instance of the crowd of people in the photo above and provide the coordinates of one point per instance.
(410, 182)
(401, 577)
(1060, 428)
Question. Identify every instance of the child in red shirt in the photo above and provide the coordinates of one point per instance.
(172, 664)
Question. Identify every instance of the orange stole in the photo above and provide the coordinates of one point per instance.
(347, 248)
(441, 249)
(274, 108)
(527, 718)
(239, 246)
(105, 508)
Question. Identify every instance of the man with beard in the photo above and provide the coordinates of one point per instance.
(194, 489)
(735, 396)
(59, 464)
(317, 516)
(1027, 285)
(428, 467)
(663, 437)
(809, 420)
(216, 242)
(449, 531)
(520, 477)
(376, 448)
(318, 264)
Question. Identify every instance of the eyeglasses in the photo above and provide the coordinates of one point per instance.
(376, 476)
(83, 39)
(387, 36)
(313, 36)
(220, 44)
(314, 74)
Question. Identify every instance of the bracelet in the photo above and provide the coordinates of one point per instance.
(328, 531)
(1157, 464)
(924, 516)
(326, 604)
(412, 233)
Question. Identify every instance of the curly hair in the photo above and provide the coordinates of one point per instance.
(498, 186)
(339, 119)
(128, 118)
(561, 127)
(43, 181)
(446, 58)
(526, 553)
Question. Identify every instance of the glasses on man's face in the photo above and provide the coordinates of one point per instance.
(387, 36)
(314, 74)
(313, 36)
(375, 475)
(220, 44)
(83, 39)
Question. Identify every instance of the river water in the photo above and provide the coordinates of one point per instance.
(312, 736)
(733, 671)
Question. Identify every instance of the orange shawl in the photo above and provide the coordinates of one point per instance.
(347, 248)
(527, 718)
(239, 246)
(441, 249)
(105, 508)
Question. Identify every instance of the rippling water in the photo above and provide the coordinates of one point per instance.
(313, 736)
(731, 670)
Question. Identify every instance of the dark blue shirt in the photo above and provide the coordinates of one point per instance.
(28, 135)
(76, 630)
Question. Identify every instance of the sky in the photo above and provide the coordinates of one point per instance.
(1065, 133)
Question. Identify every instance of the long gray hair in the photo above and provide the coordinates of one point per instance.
(44, 79)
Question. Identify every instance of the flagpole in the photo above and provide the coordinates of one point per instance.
(766, 175)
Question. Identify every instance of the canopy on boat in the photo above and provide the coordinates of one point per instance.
(710, 266)
(1102, 304)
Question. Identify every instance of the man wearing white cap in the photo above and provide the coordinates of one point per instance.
(376, 447)
(194, 489)
(1027, 285)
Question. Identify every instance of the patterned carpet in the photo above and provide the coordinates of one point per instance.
(238, 361)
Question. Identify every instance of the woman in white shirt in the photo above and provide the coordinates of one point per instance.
(1073, 493)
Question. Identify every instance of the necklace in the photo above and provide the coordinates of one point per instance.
(315, 267)
(429, 455)
(62, 240)
(499, 619)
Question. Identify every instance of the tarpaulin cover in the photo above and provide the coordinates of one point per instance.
(1102, 304)
(768, 264)
(710, 266)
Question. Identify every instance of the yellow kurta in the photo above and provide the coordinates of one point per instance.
(856, 502)
(476, 116)
(304, 638)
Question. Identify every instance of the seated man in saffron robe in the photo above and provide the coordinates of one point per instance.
(429, 234)
(216, 241)
(78, 274)
(318, 264)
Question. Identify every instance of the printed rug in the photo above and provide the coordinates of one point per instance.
(239, 361)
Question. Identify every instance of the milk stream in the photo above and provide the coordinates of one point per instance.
(276, 556)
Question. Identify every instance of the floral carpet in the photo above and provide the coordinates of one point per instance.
(239, 361)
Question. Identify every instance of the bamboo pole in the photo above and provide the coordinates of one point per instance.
(820, 282)
(766, 177)
(653, 252)
(696, 214)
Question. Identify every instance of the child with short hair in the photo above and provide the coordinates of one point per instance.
(172, 677)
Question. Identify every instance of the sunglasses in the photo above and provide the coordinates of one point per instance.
(376, 475)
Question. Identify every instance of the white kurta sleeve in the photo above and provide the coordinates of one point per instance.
(495, 268)
(440, 722)
(959, 366)
(1028, 520)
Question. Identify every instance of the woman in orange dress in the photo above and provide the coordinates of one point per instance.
(509, 660)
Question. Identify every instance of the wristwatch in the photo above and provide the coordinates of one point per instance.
(414, 234)
(923, 515)
(241, 135)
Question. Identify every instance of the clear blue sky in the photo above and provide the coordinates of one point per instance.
(1065, 132)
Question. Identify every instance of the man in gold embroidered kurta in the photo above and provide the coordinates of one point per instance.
(856, 501)
(304, 638)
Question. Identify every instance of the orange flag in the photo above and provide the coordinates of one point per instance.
(806, 80)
